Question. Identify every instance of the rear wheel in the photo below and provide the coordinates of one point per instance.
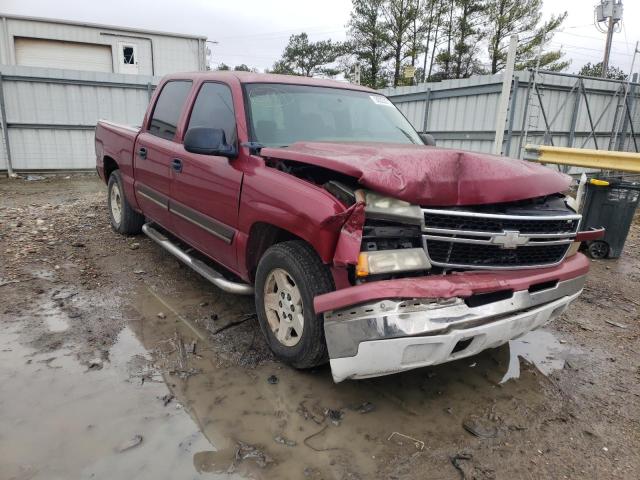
(289, 276)
(124, 219)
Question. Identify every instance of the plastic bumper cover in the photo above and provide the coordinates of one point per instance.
(390, 336)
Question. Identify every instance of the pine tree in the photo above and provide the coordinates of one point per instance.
(369, 42)
(302, 57)
(398, 18)
(469, 33)
(522, 17)
(434, 11)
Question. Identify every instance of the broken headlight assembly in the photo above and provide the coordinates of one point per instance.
(385, 208)
(391, 238)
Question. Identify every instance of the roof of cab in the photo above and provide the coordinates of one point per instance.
(251, 77)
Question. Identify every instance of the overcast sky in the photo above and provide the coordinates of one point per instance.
(255, 32)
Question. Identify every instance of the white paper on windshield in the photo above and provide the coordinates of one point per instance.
(380, 100)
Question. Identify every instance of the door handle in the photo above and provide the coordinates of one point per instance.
(176, 164)
(142, 152)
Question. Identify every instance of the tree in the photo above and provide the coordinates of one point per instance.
(521, 17)
(241, 68)
(398, 18)
(418, 29)
(595, 70)
(464, 33)
(302, 57)
(223, 66)
(368, 41)
(444, 57)
(469, 33)
(434, 12)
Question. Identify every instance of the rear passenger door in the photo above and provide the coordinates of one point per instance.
(206, 188)
(155, 148)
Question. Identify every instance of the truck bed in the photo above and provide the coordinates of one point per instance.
(116, 141)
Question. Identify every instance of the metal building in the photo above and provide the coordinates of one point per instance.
(57, 78)
(47, 43)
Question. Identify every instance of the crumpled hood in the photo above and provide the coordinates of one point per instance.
(426, 175)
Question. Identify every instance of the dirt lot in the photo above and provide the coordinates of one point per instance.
(117, 362)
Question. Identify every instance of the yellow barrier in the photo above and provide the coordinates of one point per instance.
(582, 157)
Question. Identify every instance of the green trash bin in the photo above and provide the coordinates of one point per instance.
(609, 203)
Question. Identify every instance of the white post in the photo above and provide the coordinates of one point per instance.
(501, 117)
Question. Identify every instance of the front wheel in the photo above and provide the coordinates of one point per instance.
(289, 276)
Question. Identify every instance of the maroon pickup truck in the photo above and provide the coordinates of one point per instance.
(363, 243)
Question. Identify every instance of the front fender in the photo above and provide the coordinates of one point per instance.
(292, 204)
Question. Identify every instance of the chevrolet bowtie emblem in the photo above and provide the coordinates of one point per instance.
(510, 239)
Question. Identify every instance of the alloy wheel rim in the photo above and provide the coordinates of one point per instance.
(283, 307)
(116, 203)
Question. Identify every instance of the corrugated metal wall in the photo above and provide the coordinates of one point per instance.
(51, 114)
(556, 109)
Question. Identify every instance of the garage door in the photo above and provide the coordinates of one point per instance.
(35, 52)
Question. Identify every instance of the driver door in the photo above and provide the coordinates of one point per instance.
(205, 189)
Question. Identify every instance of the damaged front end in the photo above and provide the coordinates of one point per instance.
(431, 285)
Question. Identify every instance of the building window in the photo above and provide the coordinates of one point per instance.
(128, 55)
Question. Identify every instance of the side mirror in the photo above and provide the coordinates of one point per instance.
(427, 139)
(208, 141)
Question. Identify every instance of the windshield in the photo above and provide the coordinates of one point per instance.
(283, 114)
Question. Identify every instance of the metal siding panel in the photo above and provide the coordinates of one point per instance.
(41, 149)
(50, 104)
(470, 105)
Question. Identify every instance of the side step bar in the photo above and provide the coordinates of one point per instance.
(199, 266)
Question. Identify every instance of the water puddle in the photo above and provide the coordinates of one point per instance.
(190, 390)
(56, 323)
(62, 421)
(540, 348)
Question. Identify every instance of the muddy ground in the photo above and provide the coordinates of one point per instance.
(117, 362)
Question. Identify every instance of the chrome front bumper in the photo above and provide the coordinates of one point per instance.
(391, 336)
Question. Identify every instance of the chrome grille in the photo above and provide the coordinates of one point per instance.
(463, 239)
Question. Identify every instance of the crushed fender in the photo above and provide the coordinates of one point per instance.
(348, 246)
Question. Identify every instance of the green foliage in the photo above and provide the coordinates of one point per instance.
(223, 66)
(241, 68)
(303, 57)
(448, 36)
(398, 18)
(522, 18)
(595, 70)
(369, 43)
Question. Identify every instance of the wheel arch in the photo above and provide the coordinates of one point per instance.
(263, 235)
(110, 165)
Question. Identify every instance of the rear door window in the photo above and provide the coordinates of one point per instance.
(169, 105)
(213, 108)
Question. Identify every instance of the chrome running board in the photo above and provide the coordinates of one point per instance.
(199, 266)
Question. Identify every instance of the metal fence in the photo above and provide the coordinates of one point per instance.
(49, 115)
(551, 109)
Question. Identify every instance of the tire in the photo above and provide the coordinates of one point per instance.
(296, 265)
(598, 249)
(124, 219)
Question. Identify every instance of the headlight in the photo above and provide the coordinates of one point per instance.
(573, 249)
(386, 208)
(389, 261)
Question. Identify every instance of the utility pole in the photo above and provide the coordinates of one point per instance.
(609, 11)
